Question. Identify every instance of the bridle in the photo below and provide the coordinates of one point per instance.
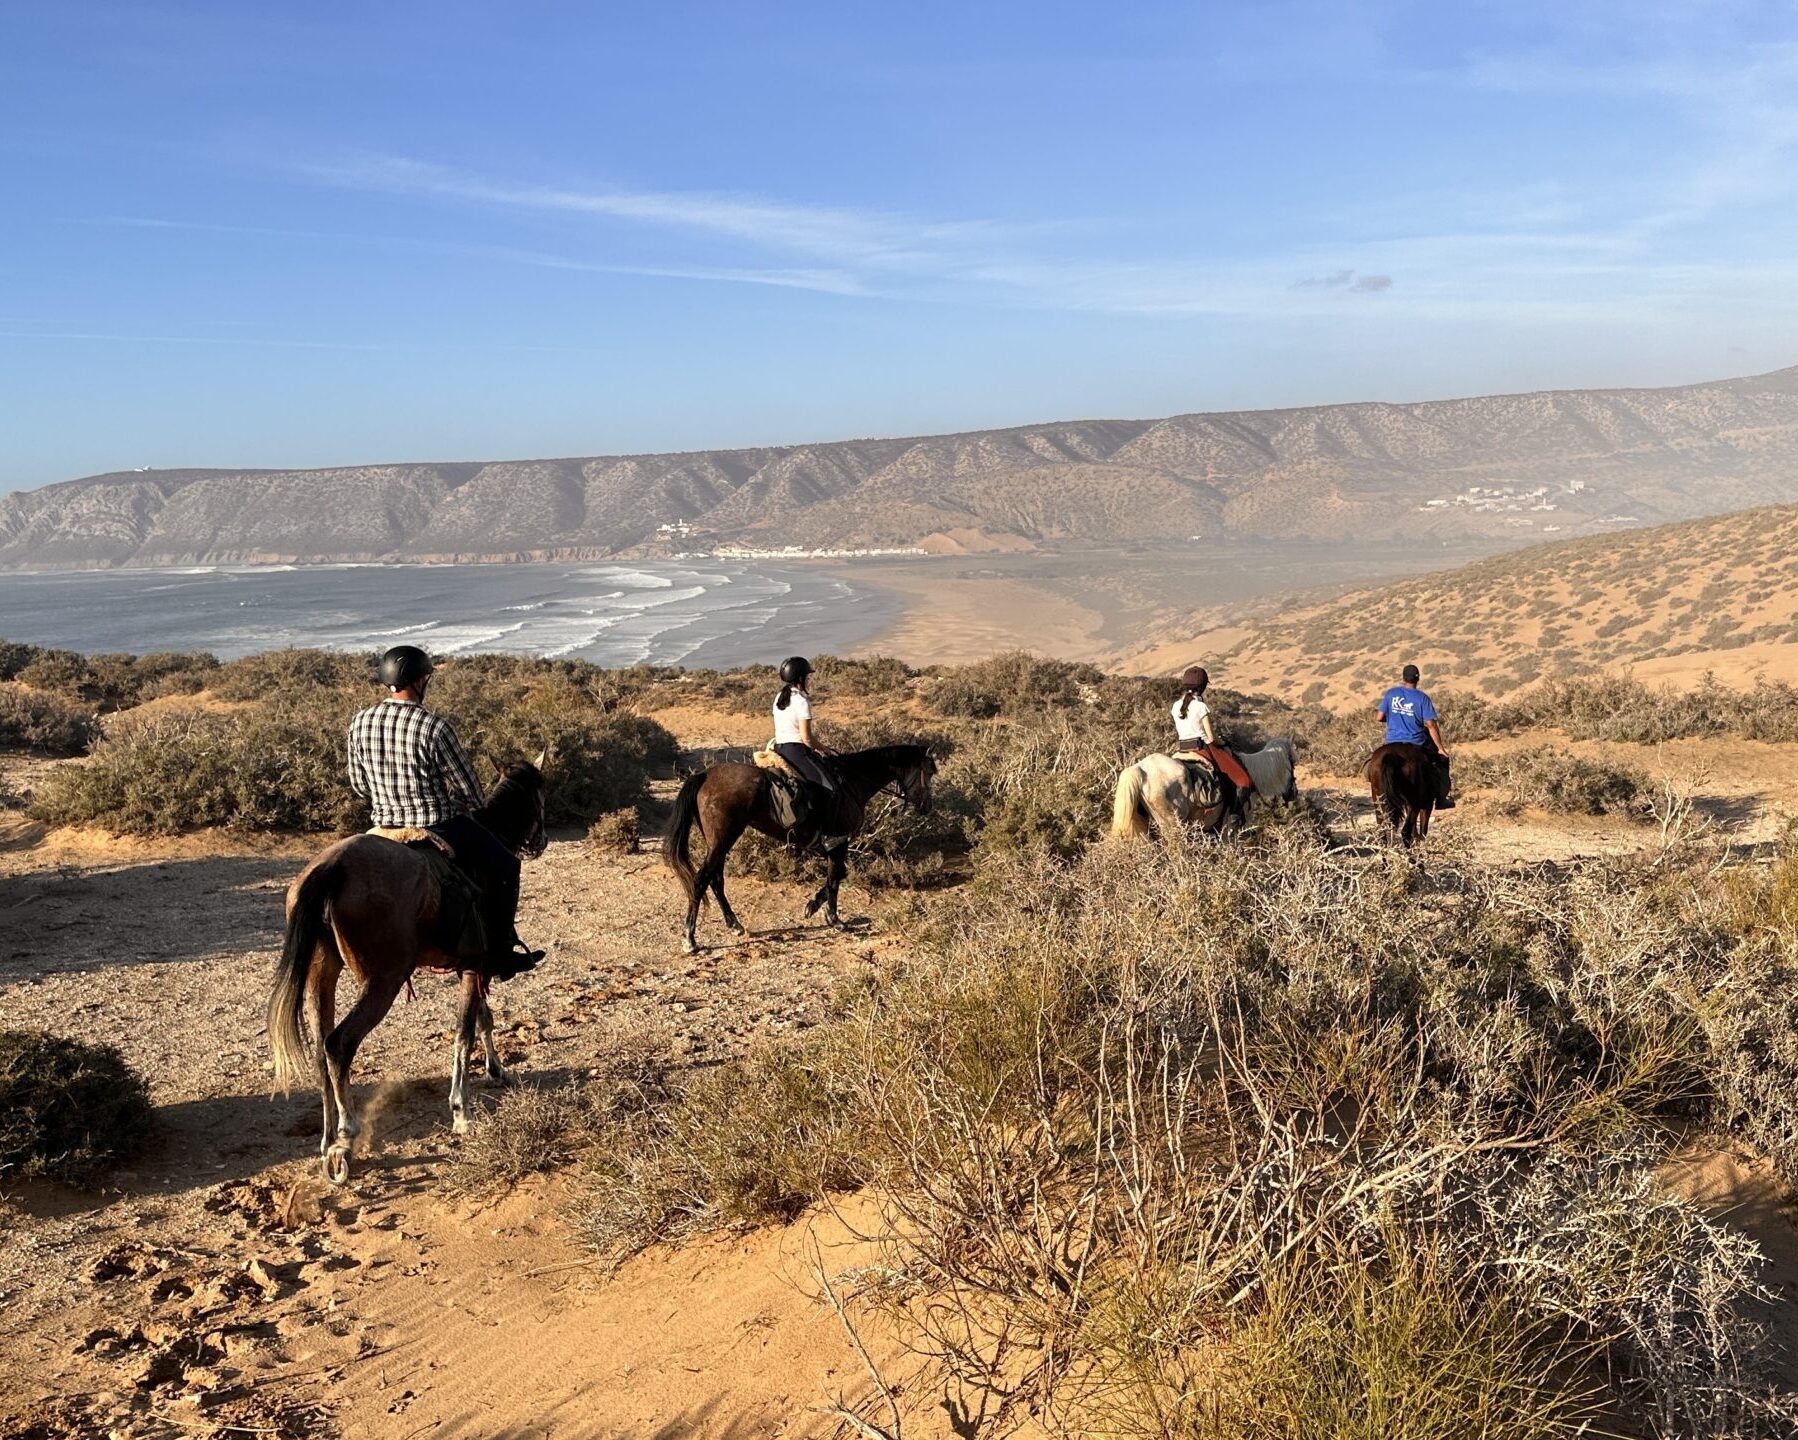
(901, 785)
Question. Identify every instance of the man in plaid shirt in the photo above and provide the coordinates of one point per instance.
(411, 768)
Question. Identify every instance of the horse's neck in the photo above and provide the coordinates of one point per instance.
(865, 772)
(504, 815)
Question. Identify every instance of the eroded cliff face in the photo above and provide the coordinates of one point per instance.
(1517, 466)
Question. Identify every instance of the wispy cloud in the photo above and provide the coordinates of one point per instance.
(1346, 280)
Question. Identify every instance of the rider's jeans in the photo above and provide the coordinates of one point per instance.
(494, 868)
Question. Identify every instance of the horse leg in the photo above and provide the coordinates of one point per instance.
(496, 1072)
(324, 1021)
(839, 867)
(729, 915)
(340, 1048)
(710, 877)
(465, 1025)
(1423, 821)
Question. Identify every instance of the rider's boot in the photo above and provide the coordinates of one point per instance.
(507, 955)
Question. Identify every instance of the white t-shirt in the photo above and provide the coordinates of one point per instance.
(787, 722)
(1190, 726)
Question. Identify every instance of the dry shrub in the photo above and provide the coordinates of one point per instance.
(533, 1129)
(276, 762)
(69, 1110)
(614, 833)
(44, 722)
(1014, 683)
(1144, 1115)
(1560, 783)
(601, 757)
(746, 1144)
(254, 769)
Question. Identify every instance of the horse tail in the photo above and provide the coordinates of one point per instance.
(1392, 771)
(677, 837)
(1128, 817)
(306, 928)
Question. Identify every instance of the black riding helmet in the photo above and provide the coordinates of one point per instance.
(1195, 678)
(404, 666)
(794, 670)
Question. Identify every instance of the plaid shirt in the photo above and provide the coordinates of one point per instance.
(409, 765)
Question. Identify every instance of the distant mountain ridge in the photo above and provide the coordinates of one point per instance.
(1527, 465)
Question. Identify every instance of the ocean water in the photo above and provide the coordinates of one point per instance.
(683, 613)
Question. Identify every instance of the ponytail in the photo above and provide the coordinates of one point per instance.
(786, 694)
(1186, 702)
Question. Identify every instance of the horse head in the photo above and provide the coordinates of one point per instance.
(515, 808)
(914, 781)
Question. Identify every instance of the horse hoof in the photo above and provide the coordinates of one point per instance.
(337, 1164)
(739, 929)
(459, 1125)
(690, 947)
(500, 1076)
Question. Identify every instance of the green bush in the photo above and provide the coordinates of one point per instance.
(69, 1111)
(1014, 683)
(277, 674)
(252, 769)
(115, 682)
(47, 723)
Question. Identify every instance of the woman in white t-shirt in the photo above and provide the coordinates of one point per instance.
(794, 741)
(1192, 725)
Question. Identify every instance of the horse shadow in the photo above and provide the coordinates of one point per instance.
(57, 921)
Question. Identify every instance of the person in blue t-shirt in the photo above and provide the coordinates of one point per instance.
(1410, 719)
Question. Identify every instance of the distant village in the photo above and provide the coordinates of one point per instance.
(673, 530)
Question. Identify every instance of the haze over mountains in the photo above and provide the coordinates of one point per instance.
(1505, 467)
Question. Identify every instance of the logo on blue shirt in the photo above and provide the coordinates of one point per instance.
(1406, 710)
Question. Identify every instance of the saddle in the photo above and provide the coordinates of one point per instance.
(795, 801)
(456, 929)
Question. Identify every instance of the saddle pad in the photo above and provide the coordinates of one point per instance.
(770, 759)
(414, 835)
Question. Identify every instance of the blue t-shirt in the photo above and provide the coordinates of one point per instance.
(1406, 708)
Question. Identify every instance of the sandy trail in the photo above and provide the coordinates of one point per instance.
(399, 1312)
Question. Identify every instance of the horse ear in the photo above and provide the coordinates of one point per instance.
(542, 760)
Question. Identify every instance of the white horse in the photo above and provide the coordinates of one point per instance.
(1161, 790)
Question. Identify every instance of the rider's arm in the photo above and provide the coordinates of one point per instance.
(1205, 730)
(1436, 735)
(358, 776)
(456, 768)
(809, 736)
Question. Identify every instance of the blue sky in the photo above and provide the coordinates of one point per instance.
(284, 234)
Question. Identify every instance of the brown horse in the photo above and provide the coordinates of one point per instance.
(726, 800)
(369, 903)
(1402, 781)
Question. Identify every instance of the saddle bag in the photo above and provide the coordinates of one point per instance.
(788, 795)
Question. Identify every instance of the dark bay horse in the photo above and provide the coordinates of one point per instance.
(728, 799)
(1402, 780)
(368, 903)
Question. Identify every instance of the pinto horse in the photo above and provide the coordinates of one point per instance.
(368, 904)
(1161, 789)
(728, 799)
(1402, 781)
